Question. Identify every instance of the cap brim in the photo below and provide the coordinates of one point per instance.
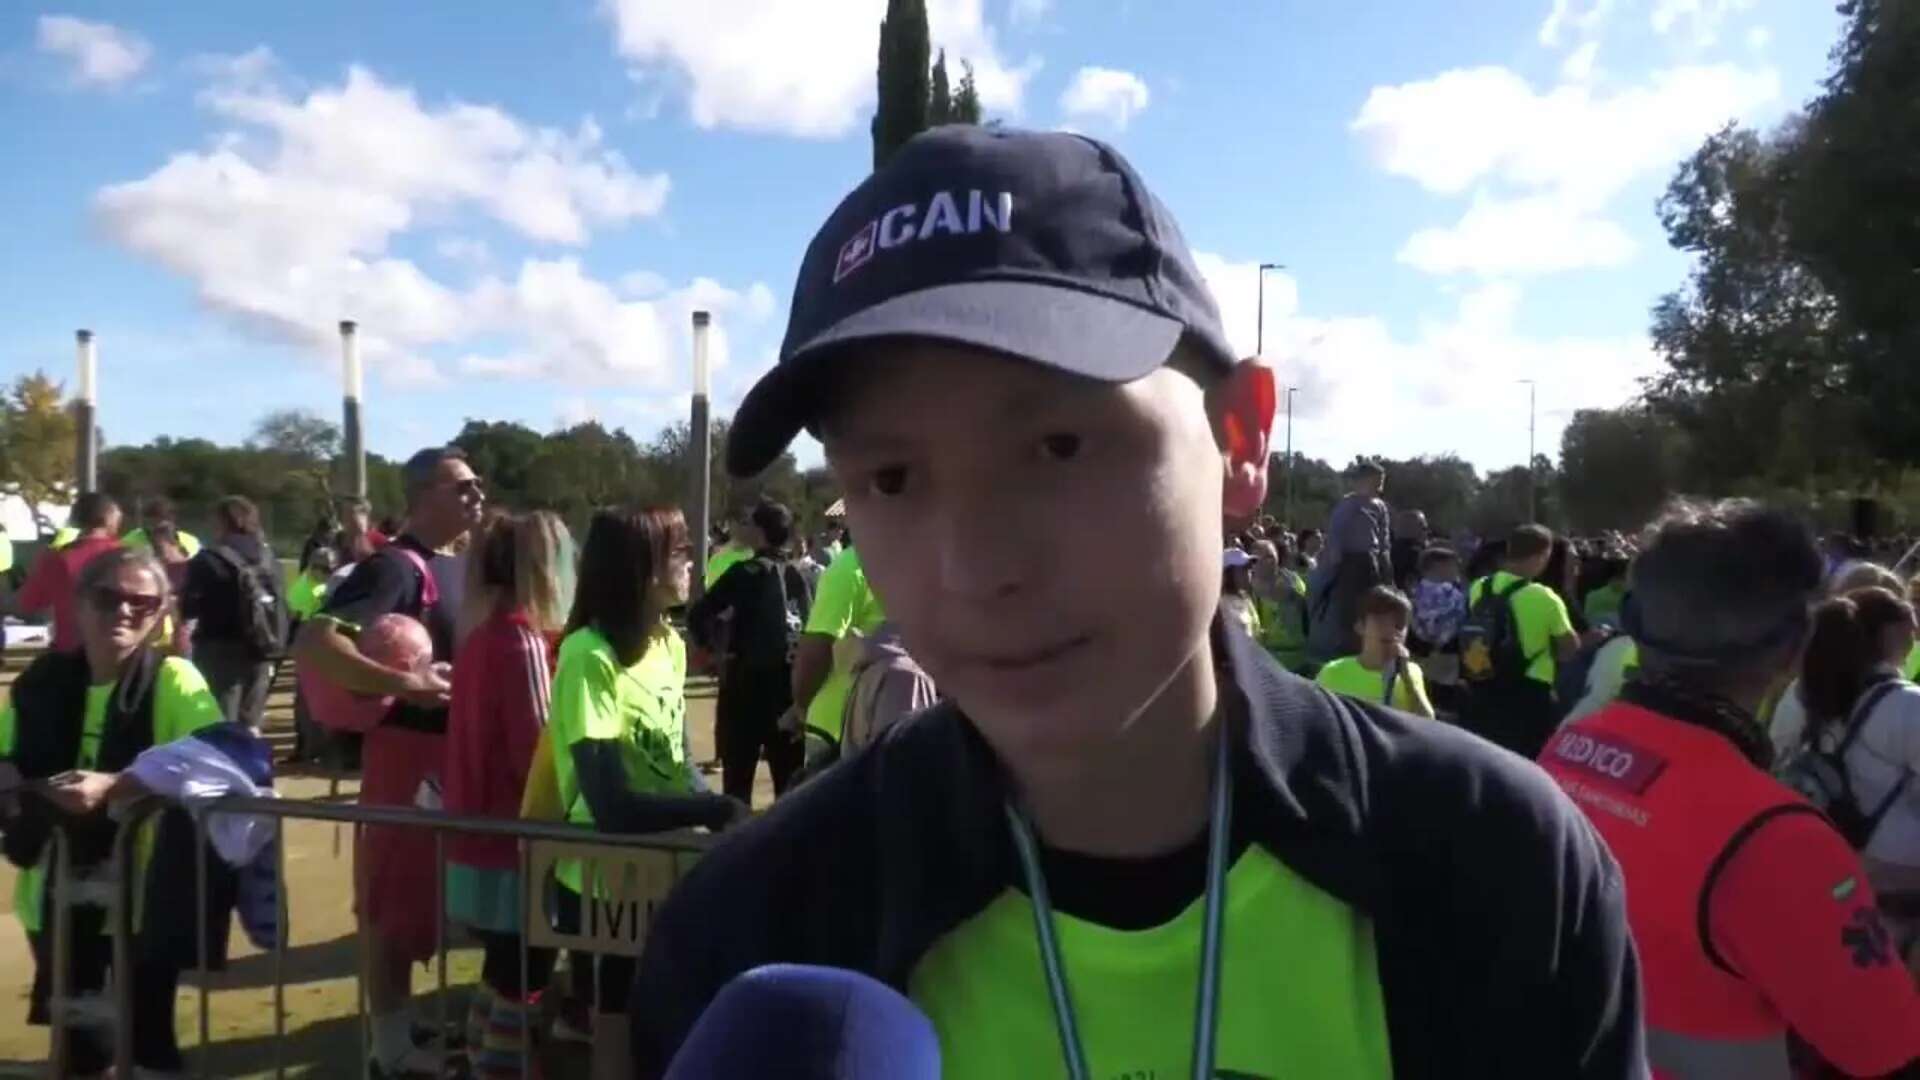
(1068, 329)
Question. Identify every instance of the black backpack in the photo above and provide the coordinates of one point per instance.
(1490, 649)
(258, 613)
(1822, 775)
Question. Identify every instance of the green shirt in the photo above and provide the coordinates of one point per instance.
(63, 536)
(643, 708)
(1913, 663)
(1603, 603)
(841, 603)
(306, 596)
(1299, 988)
(1349, 676)
(1539, 615)
(721, 561)
(182, 705)
(6, 553)
(1282, 619)
(189, 543)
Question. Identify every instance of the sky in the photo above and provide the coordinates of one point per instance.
(522, 204)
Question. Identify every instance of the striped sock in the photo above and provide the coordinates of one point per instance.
(498, 1056)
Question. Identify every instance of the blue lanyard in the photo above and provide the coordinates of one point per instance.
(1207, 1011)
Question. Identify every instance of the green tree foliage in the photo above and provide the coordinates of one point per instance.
(940, 95)
(37, 444)
(1617, 466)
(902, 78)
(966, 100)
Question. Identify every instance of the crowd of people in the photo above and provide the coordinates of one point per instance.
(1105, 771)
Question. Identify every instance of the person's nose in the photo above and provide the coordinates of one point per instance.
(979, 554)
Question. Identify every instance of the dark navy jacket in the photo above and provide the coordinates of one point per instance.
(1499, 917)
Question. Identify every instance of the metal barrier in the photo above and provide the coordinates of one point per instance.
(623, 878)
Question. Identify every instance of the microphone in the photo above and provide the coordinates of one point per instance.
(798, 1022)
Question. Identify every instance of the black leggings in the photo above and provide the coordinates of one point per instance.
(156, 984)
(500, 965)
(751, 701)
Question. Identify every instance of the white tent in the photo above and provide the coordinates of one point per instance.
(838, 509)
(17, 517)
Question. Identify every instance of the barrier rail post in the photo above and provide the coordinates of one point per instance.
(592, 849)
(55, 891)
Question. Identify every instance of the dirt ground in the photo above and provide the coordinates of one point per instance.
(322, 1033)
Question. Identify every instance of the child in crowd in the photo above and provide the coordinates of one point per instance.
(1383, 671)
(1439, 607)
(1236, 589)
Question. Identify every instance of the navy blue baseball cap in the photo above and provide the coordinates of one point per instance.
(1045, 246)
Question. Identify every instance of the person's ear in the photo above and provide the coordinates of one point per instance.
(1243, 409)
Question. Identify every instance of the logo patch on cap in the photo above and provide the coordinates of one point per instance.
(856, 252)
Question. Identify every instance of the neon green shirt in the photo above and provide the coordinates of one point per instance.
(841, 603)
(1603, 603)
(189, 543)
(306, 596)
(63, 536)
(1349, 676)
(182, 705)
(6, 553)
(1913, 663)
(721, 561)
(1299, 988)
(1282, 622)
(1539, 615)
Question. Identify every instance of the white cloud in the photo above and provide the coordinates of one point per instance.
(102, 54)
(1531, 235)
(254, 68)
(464, 250)
(1543, 165)
(1579, 65)
(794, 69)
(1105, 94)
(1028, 11)
(286, 223)
(1699, 20)
(1584, 20)
(1759, 38)
(1365, 389)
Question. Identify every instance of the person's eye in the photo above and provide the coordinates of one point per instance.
(888, 480)
(1060, 446)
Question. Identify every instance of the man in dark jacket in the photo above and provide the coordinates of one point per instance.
(216, 598)
(764, 600)
(1125, 807)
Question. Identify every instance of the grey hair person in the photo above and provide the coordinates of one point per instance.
(1722, 592)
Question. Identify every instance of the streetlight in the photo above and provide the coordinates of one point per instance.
(699, 481)
(85, 405)
(1260, 313)
(1533, 392)
(1291, 390)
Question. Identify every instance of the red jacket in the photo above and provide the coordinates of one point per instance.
(502, 684)
(1752, 915)
(51, 584)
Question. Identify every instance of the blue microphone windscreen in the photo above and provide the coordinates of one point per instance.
(794, 1022)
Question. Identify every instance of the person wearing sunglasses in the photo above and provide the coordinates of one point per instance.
(75, 720)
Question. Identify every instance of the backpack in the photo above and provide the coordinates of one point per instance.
(258, 612)
(1490, 649)
(1822, 777)
(1439, 607)
(794, 603)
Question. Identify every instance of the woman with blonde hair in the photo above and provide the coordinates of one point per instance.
(518, 590)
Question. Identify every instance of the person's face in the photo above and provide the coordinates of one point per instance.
(1382, 632)
(120, 613)
(453, 503)
(1447, 570)
(673, 581)
(998, 504)
(1311, 546)
(113, 520)
(1266, 565)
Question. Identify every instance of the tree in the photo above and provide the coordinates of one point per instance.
(297, 433)
(37, 444)
(1618, 466)
(504, 455)
(902, 78)
(1441, 487)
(966, 100)
(940, 98)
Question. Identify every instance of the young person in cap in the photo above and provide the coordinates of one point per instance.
(1024, 390)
